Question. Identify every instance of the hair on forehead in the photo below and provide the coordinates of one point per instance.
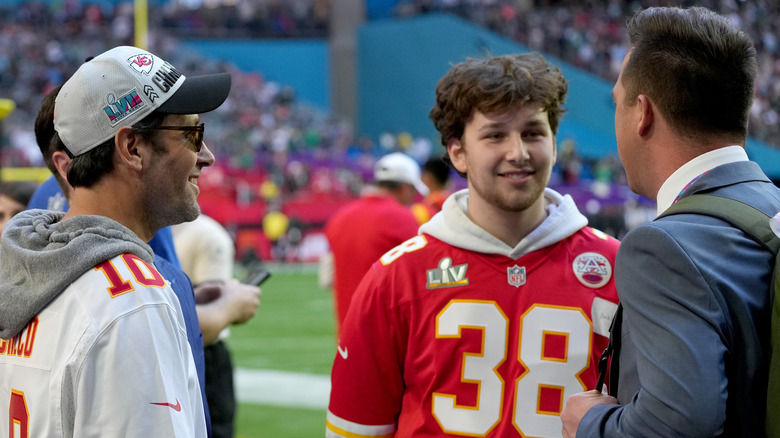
(495, 85)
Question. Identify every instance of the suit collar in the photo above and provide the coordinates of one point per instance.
(684, 177)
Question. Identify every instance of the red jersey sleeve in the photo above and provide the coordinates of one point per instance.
(367, 369)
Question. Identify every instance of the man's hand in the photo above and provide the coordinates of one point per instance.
(227, 303)
(240, 301)
(576, 407)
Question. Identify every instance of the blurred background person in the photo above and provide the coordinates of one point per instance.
(14, 196)
(207, 254)
(361, 231)
(435, 176)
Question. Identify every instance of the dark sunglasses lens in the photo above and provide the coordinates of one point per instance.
(198, 140)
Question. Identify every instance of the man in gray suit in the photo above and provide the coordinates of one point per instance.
(692, 344)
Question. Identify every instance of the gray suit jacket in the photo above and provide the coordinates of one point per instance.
(692, 359)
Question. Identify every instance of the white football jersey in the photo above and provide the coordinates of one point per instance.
(108, 357)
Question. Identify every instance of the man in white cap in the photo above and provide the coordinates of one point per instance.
(366, 228)
(94, 343)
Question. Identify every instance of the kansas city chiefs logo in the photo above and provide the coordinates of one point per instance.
(142, 63)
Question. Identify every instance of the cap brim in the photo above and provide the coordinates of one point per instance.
(421, 188)
(198, 94)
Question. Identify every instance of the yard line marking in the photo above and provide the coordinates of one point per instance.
(282, 388)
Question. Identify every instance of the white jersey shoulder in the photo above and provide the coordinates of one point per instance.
(108, 357)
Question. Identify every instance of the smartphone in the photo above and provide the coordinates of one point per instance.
(257, 276)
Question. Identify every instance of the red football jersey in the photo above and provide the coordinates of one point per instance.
(445, 341)
(358, 235)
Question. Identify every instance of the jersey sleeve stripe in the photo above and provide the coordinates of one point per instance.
(340, 428)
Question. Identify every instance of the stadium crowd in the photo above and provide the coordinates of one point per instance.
(591, 36)
(247, 18)
(586, 34)
(42, 45)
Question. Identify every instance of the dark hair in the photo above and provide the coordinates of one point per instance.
(438, 169)
(495, 85)
(390, 185)
(44, 133)
(19, 191)
(89, 167)
(696, 67)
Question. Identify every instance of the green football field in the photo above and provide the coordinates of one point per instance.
(286, 352)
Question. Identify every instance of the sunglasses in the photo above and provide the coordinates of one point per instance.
(197, 130)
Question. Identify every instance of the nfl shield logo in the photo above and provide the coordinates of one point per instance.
(515, 276)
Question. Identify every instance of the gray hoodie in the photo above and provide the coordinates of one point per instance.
(452, 226)
(40, 255)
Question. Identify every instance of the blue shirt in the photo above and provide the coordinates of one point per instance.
(48, 196)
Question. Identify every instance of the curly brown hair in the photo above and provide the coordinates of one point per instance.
(495, 85)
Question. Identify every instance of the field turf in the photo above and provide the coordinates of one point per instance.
(293, 331)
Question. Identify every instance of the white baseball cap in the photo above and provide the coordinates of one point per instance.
(400, 167)
(122, 86)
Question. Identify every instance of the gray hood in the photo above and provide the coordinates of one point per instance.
(451, 225)
(40, 255)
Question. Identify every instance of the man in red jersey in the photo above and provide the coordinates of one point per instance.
(367, 228)
(484, 323)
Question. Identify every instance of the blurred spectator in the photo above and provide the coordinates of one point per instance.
(247, 19)
(206, 252)
(14, 196)
(435, 176)
(360, 232)
(569, 162)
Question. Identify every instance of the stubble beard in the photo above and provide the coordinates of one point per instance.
(163, 211)
(515, 202)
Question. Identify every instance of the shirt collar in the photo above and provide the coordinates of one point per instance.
(690, 171)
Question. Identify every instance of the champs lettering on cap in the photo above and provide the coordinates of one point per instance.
(121, 87)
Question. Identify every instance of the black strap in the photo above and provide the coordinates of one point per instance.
(612, 349)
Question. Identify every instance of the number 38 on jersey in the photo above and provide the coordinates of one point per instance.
(554, 348)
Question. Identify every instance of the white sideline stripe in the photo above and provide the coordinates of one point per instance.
(282, 388)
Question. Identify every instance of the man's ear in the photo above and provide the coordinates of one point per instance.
(457, 154)
(128, 143)
(646, 114)
(61, 162)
